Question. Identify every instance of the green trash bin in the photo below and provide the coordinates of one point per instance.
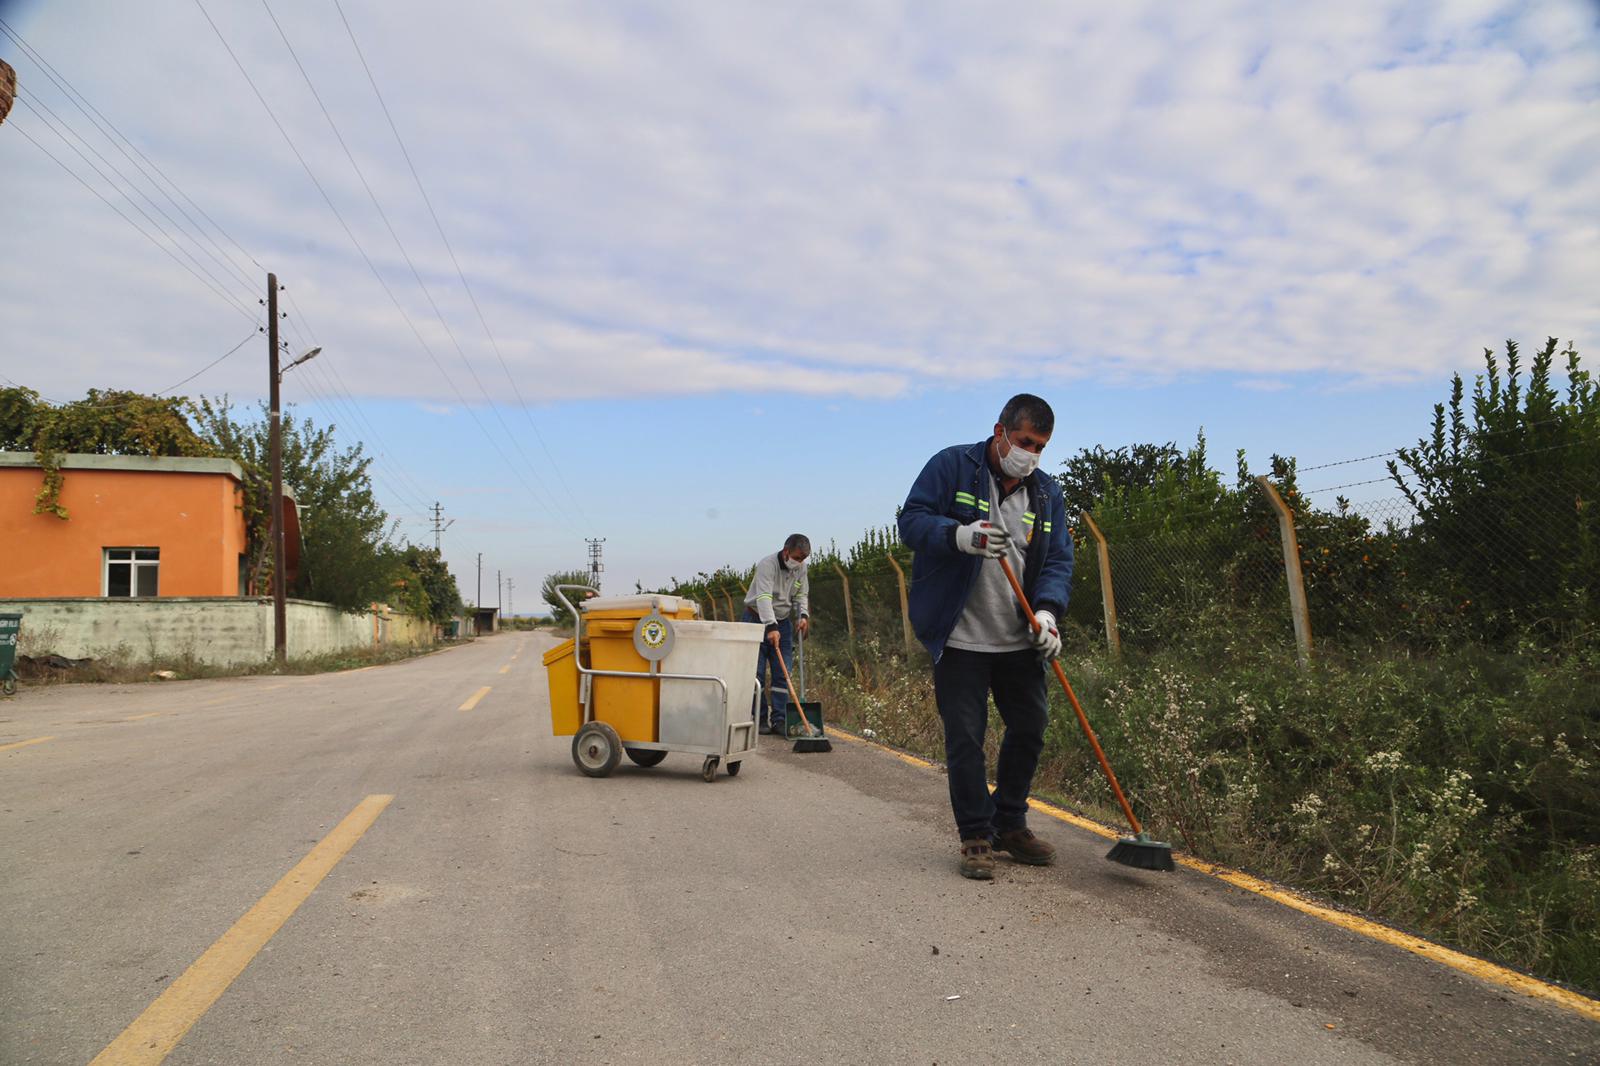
(10, 627)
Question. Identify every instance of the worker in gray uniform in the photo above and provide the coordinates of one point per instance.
(780, 599)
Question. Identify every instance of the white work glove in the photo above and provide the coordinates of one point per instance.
(1047, 638)
(983, 539)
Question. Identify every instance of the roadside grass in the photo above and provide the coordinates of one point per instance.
(1455, 794)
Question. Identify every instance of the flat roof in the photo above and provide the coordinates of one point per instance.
(153, 464)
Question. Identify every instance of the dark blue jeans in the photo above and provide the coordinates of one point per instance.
(767, 666)
(962, 682)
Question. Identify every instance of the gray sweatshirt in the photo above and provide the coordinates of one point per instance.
(991, 622)
(776, 590)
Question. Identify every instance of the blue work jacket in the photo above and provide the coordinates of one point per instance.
(952, 490)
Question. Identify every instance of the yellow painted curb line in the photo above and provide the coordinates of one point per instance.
(1456, 960)
(152, 1035)
(24, 743)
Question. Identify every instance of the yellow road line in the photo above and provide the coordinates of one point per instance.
(1456, 960)
(24, 743)
(506, 669)
(152, 1036)
(475, 697)
(147, 714)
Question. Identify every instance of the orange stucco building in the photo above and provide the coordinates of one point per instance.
(136, 526)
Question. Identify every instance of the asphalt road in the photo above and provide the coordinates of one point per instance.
(503, 909)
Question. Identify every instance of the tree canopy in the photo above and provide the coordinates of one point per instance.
(104, 422)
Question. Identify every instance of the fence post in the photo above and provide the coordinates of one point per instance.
(849, 614)
(849, 622)
(732, 617)
(1108, 598)
(906, 631)
(1291, 571)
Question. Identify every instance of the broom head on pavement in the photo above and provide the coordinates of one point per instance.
(809, 737)
(1141, 853)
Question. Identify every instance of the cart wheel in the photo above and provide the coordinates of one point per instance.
(645, 756)
(597, 749)
(9, 685)
(709, 770)
(733, 767)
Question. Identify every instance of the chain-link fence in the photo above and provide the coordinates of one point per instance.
(1517, 565)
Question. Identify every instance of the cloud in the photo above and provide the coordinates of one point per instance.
(852, 200)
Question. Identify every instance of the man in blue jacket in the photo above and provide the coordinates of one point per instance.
(971, 506)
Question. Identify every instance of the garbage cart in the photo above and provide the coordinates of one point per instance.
(643, 676)
(10, 629)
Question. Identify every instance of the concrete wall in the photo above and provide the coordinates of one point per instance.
(222, 631)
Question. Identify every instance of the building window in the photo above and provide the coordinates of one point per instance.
(132, 571)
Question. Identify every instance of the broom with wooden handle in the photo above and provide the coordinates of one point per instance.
(1137, 850)
(814, 740)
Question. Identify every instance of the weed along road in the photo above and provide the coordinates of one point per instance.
(401, 865)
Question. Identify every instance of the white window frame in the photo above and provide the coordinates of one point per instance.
(134, 564)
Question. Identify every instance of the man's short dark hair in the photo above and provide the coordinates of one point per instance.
(797, 542)
(1026, 407)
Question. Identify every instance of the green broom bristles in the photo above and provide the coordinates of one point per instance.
(1142, 853)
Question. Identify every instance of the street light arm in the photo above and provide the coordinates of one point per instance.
(309, 355)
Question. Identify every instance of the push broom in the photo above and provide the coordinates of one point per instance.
(813, 739)
(1139, 850)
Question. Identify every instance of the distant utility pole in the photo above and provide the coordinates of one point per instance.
(510, 610)
(499, 586)
(439, 524)
(280, 607)
(479, 601)
(596, 567)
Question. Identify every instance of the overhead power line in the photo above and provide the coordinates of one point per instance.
(399, 484)
(471, 296)
(356, 242)
(83, 102)
(56, 125)
(400, 245)
(22, 130)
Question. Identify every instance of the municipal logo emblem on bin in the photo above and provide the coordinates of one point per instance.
(652, 637)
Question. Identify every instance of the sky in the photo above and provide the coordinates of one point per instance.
(736, 270)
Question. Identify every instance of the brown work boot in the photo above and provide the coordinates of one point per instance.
(1024, 847)
(977, 859)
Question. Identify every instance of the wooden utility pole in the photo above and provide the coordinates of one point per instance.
(280, 625)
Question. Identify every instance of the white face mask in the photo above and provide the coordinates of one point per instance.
(794, 564)
(1018, 462)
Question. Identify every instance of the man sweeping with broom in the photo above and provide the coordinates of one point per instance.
(972, 506)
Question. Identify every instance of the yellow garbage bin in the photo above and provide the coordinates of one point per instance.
(606, 687)
(566, 713)
(630, 707)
